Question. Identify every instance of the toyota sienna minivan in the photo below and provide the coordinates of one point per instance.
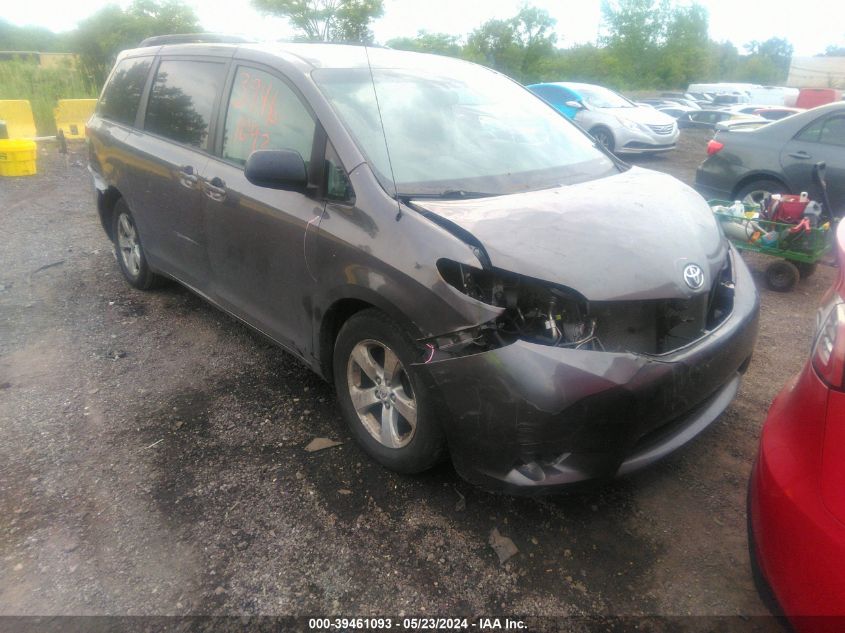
(476, 276)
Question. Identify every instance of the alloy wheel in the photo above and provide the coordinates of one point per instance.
(604, 138)
(381, 393)
(756, 196)
(128, 244)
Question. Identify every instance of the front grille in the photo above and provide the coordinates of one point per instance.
(662, 129)
(664, 325)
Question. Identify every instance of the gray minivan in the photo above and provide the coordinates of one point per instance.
(474, 273)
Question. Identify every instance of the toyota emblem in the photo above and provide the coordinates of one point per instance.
(694, 276)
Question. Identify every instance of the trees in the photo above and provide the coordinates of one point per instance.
(643, 43)
(100, 37)
(767, 62)
(327, 20)
(634, 31)
(30, 38)
(425, 42)
(683, 57)
(521, 47)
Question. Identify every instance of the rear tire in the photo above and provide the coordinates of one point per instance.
(781, 276)
(382, 396)
(754, 191)
(129, 252)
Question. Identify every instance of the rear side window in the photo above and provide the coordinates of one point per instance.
(830, 131)
(834, 131)
(182, 100)
(264, 113)
(122, 94)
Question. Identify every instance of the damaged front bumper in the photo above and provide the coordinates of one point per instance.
(529, 418)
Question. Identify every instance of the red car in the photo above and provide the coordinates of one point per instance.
(797, 488)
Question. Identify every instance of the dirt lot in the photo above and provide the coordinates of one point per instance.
(152, 462)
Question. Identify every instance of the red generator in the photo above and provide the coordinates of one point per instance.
(789, 209)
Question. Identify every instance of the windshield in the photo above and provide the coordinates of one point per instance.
(456, 128)
(599, 97)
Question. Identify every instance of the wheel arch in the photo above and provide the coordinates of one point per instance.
(343, 308)
(106, 201)
(758, 175)
(602, 126)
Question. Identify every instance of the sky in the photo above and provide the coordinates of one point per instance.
(810, 25)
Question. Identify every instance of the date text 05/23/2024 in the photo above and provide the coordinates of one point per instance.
(416, 624)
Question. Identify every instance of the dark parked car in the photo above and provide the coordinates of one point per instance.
(471, 270)
(776, 113)
(675, 111)
(666, 103)
(708, 119)
(693, 100)
(779, 158)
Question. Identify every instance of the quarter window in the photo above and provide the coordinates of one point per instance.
(830, 131)
(182, 100)
(338, 187)
(811, 132)
(122, 95)
(264, 113)
(833, 132)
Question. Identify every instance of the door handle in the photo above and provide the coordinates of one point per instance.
(801, 155)
(215, 189)
(187, 176)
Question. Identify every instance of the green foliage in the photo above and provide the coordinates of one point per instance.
(683, 58)
(30, 38)
(100, 37)
(425, 42)
(43, 87)
(521, 47)
(635, 31)
(643, 43)
(327, 20)
(768, 61)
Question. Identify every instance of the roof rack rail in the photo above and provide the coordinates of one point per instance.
(193, 38)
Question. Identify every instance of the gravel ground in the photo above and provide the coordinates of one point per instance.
(152, 462)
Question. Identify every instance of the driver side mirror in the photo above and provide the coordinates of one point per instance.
(574, 104)
(281, 169)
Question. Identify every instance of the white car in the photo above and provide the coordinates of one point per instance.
(618, 123)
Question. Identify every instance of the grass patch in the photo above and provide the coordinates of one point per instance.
(43, 87)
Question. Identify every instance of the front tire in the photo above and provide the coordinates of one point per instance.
(128, 250)
(382, 396)
(604, 137)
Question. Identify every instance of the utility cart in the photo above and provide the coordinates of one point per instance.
(799, 248)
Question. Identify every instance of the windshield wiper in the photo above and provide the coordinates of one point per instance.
(450, 194)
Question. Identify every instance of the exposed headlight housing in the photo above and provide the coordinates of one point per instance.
(534, 310)
(545, 313)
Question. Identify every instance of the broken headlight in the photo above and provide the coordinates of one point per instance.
(534, 310)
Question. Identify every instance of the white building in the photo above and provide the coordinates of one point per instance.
(817, 72)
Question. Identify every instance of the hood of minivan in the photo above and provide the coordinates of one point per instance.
(626, 236)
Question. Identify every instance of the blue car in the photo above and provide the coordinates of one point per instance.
(619, 124)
